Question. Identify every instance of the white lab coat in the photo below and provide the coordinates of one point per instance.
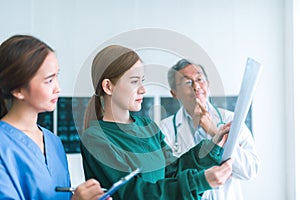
(245, 158)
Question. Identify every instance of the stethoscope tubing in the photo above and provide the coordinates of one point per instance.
(221, 122)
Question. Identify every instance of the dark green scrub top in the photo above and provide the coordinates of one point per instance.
(112, 150)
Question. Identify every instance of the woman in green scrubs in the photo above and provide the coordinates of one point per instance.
(115, 143)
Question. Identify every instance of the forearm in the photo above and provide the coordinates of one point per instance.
(202, 156)
(187, 184)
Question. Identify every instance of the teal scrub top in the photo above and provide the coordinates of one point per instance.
(25, 172)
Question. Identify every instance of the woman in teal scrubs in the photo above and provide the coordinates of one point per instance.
(32, 159)
(115, 142)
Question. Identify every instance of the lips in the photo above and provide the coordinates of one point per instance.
(54, 100)
(199, 94)
(139, 100)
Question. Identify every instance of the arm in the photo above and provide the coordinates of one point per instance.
(153, 184)
(204, 155)
(211, 155)
(7, 188)
(187, 184)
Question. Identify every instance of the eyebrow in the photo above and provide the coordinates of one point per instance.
(50, 76)
(138, 77)
(187, 77)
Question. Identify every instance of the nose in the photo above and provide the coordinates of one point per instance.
(142, 89)
(196, 86)
(57, 88)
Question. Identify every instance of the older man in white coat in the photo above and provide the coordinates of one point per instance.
(198, 119)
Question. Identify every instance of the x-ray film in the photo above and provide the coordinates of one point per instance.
(250, 79)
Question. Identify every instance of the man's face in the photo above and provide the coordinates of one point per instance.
(191, 84)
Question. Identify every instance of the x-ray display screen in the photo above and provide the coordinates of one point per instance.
(67, 129)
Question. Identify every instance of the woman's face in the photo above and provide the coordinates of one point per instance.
(129, 90)
(43, 89)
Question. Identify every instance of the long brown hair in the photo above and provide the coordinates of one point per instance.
(20, 58)
(110, 63)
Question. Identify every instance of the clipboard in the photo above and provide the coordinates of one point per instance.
(250, 80)
(119, 183)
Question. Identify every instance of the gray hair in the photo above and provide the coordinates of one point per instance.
(178, 66)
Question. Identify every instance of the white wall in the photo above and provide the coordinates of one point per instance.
(296, 100)
(228, 30)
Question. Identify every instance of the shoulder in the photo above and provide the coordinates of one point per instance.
(179, 115)
(95, 126)
(5, 135)
(226, 113)
(167, 120)
(95, 132)
(3, 127)
(225, 110)
(166, 124)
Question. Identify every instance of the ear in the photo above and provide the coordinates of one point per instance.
(107, 86)
(17, 93)
(173, 93)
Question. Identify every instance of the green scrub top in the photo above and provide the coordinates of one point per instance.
(111, 150)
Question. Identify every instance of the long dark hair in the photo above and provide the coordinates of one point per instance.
(110, 63)
(20, 58)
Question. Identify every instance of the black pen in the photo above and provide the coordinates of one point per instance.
(71, 189)
(65, 189)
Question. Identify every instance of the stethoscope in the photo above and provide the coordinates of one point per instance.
(176, 145)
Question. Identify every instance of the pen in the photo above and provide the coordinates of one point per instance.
(65, 189)
(71, 189)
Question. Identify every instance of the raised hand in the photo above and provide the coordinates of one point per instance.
(202, 117)
(221, 137)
